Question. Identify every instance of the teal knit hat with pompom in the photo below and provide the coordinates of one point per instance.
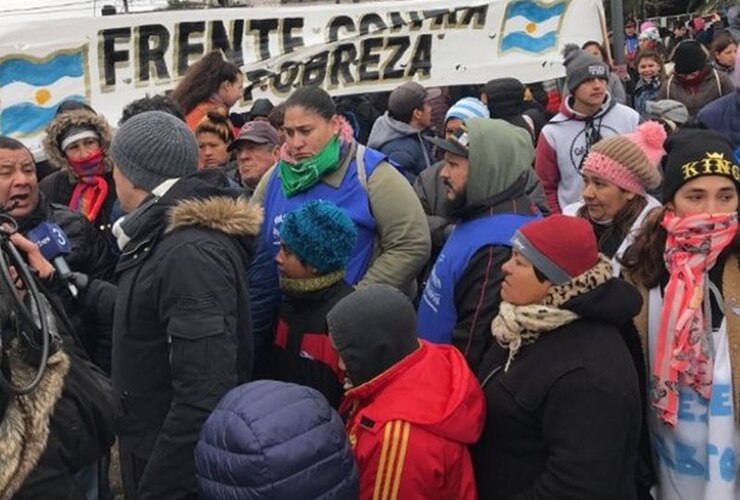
(321, 234)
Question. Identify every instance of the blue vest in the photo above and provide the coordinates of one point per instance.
(437, 312)
(351, 196)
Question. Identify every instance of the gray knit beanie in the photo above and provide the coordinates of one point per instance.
(581, 66)
(667, 109)
(152, 147)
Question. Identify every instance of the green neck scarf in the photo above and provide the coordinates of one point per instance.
(297, 177)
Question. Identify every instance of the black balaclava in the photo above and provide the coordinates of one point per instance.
(373, 328)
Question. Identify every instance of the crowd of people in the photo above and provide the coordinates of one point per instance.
(498, 291)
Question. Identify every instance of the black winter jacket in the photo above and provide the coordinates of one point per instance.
(302, 353)
(182, 334)
(89, 255)
(478, 290)
(80, 429)
(564, 421)
(58, 188)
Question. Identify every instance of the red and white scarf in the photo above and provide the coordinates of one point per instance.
(682, 353)
(91, 189)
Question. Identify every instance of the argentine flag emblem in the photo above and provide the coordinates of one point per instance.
(31, 89)
(531, 26)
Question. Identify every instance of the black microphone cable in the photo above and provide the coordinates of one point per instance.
(28, 319)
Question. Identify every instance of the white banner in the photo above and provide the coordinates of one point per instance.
(347, 49)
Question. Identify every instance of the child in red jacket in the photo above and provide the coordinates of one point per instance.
(412, 408)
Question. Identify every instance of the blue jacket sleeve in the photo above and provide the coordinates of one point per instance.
(264, 301)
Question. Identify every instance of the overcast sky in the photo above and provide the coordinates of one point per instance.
(68, 8)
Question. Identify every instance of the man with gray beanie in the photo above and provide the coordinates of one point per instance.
(586, 116)
(411, 407)
(181, 321)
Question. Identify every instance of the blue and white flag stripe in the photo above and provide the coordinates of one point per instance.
(46, 95)
(27, 118)
(534, 11)
(523, 41)
(531, 26)
(18, 69)
(31, 88)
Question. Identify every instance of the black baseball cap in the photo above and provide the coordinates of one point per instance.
(456, 143)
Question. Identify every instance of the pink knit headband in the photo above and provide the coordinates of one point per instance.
(614, 172)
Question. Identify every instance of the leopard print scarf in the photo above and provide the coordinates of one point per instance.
(516, 326)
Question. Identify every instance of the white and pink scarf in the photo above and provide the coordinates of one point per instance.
(683, 353)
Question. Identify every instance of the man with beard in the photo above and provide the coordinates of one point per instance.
(485, 172)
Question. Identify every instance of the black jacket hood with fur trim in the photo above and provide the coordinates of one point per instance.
(204, 200)
(78, 117)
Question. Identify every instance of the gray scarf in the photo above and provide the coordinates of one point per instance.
(144, 219)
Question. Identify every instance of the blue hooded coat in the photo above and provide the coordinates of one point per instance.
(274, 440)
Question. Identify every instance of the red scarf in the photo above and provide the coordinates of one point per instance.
(91, 189)
(692, 84)
(682, 353)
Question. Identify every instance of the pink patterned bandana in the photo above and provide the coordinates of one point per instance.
(682, 353)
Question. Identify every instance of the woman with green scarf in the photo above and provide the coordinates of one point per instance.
(321, 160)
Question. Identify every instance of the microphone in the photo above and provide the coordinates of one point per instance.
(54, 245)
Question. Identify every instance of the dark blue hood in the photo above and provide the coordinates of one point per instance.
(273, 440)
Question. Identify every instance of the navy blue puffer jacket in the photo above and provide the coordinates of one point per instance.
(723, 115)
(273, 440)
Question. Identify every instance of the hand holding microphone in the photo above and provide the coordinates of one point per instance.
(53, 245)
(36, 260)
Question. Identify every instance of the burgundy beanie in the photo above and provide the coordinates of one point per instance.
(559, 246)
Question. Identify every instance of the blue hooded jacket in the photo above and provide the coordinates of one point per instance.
(723, 115)
(402, 144)
(274, 440)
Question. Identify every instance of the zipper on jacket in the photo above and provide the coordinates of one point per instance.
(490, 376)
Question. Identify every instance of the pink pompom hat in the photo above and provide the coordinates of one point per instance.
(629, 161)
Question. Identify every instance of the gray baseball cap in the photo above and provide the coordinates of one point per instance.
(259, 132)
(410, 96)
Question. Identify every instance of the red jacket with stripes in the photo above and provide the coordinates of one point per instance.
(410, 427)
